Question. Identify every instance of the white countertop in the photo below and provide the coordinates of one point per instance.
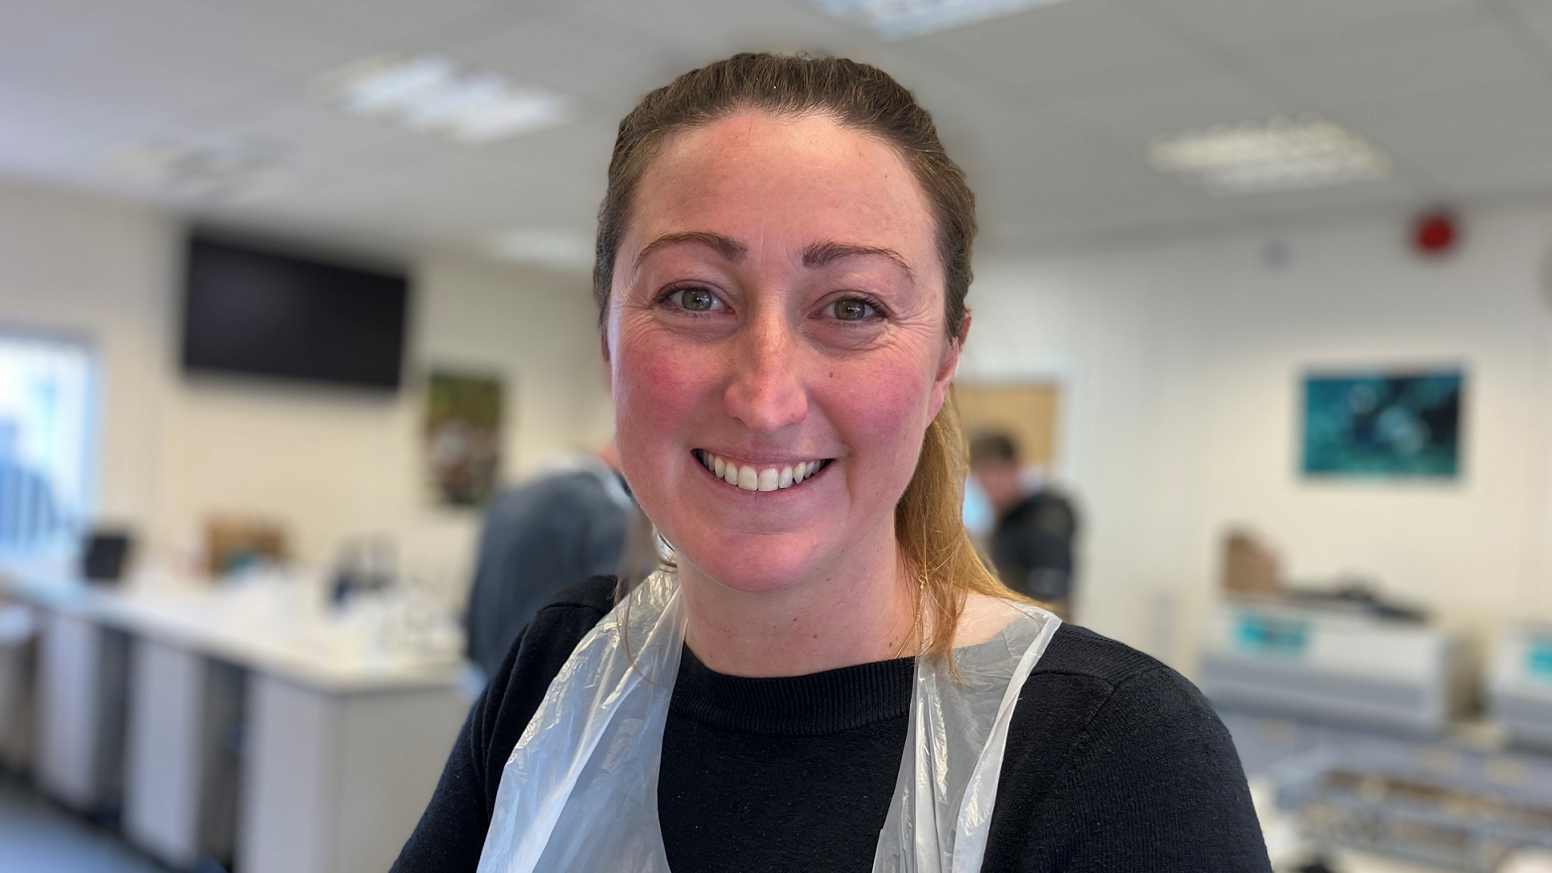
(272, 625)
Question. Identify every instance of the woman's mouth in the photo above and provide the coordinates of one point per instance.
(759, 477)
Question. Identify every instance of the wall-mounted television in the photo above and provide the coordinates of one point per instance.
(260, 312)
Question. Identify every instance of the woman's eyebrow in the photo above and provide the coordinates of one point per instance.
(727, 247)
(826, 253)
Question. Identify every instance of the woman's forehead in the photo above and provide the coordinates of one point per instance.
(753, 176)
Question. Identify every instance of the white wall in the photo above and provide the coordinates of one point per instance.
(327, 463)
(1183, 363)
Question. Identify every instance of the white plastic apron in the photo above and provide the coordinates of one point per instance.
(579, 792)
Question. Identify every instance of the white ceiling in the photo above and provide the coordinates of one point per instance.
(1050, 110)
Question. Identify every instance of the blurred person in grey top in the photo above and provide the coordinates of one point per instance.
(563, 526)
(1032, 543)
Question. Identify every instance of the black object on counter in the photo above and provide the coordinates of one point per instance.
(105, 554)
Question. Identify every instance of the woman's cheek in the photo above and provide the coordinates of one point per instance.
(897, 395)
(886, 421)
(657, 383)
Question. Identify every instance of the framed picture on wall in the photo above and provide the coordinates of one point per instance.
(1399, 424)
(462, 436)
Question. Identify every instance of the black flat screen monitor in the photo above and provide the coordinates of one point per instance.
(257, 312)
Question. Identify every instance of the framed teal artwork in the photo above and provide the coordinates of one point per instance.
(1383, 424)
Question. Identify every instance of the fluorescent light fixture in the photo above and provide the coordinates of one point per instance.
(903, 19)
(198, 171)
(1280, 155)
(559, 248)
(430, 93)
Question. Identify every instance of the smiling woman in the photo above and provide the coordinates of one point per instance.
(773, 318)
(827, 677)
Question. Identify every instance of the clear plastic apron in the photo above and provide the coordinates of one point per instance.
(579, 792)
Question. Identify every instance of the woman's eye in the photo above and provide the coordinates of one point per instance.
(853, 309)
(695, 299)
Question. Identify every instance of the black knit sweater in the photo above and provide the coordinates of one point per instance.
(1114, 763)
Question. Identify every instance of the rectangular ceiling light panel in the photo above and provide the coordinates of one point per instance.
(1280, 155)
(558, 248)
(230, 172)
(430, 93)
(903, 19)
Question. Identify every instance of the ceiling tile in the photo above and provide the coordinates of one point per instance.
(34, 31)
(1067, 43)
(1044, 181)
(41, 135)
(1173, 208)
(1461, 121)
(1518, 167)
(301, 129)
(1341, 73)
(558, 52)
(1047, 220)
(1044, 152)
(1374, 192)
(1245, 22)
(692, 32)
(1050, 110)
(1151, 109)
(164, 58)
(1535, 16)
(377, 25)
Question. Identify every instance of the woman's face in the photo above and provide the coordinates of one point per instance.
(777, 311)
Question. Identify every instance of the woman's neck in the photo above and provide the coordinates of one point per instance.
(858, 611)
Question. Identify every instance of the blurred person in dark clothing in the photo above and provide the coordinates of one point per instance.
(1032, 543)
(566, 525)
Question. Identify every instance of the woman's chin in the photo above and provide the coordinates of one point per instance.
(752, 570)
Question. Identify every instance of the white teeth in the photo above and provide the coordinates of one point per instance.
(752, 478)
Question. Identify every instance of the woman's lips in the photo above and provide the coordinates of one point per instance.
(759, 477)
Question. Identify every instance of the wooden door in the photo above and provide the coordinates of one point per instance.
(1027, 411)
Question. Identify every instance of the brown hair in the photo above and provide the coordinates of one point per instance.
(928, 525)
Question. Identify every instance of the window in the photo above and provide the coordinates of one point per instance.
(45, 418)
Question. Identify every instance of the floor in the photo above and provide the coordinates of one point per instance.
(37, 835)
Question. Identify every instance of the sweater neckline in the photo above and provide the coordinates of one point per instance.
(813, 705)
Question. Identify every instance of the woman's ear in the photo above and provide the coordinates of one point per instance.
(603, 349)
(947, 365)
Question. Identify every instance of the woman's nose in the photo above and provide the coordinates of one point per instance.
(767, 392)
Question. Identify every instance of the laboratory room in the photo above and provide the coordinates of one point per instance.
(719, 436)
